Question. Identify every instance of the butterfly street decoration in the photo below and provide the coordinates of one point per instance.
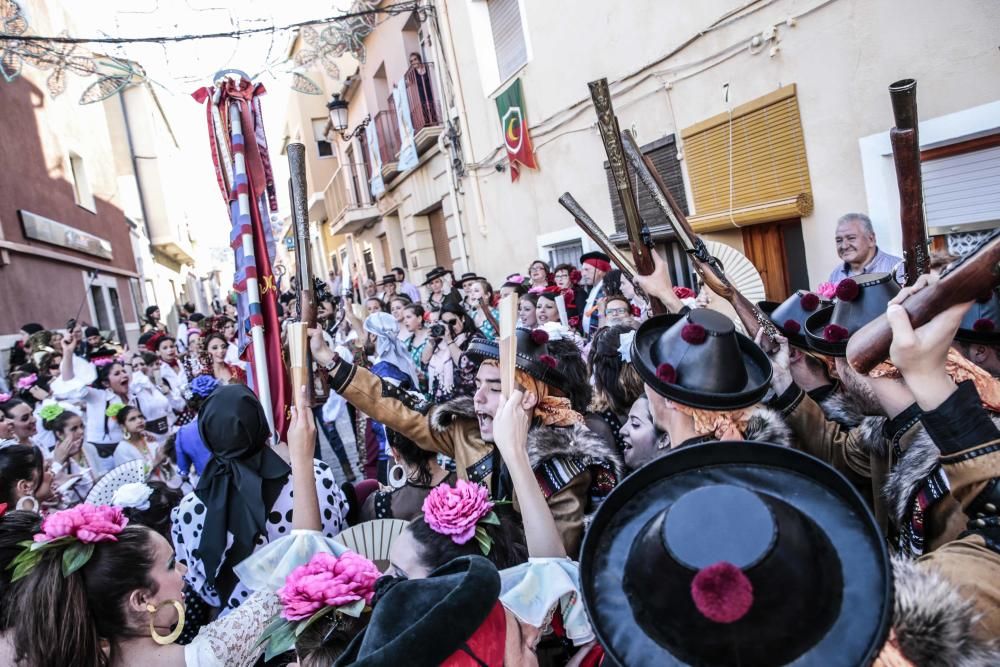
(327, 44)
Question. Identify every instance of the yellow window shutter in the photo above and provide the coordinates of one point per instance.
(769, 174)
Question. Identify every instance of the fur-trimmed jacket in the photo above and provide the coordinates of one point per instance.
(922, 495)
(764, 425)
(574, 467)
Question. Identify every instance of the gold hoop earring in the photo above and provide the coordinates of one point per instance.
(164, 640)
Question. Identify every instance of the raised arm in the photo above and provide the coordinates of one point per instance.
(510, 430)
(69, 342)
(301, 443)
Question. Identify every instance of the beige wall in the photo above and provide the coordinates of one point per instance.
(841, 55)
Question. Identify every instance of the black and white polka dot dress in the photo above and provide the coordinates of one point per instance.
(188, 523)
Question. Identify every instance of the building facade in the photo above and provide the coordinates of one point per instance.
(66, 249)
(767, 120)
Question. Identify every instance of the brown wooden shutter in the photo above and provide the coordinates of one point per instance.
(663, 152)
(439, 238)
(770, 176)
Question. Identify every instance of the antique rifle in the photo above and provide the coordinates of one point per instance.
(587, 224)
(965, 280)
(507, 342)
(303, 266)
(708, 267)
(637, 232)
(905, 141)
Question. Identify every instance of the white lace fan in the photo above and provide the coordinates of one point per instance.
(740, 271)
(372, 539)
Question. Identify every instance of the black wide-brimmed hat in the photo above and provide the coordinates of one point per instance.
(388, 278)
(699, 360)
(981, 324)
(421, 622)
(791, 314)
(737, 553)
(859, 300)
(466, 277)
(434, 274)
(532, 356)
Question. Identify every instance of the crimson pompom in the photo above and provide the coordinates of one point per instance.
(575, 276)
(666, 373)
(791, 326)
(574, 321)
(552, 289)
(684, 293)
(834, 333)
(693, 334)
(539, 337)
(809, 301)
(722, 592)
(636, 311)
(548, 360)
(848, 290)
(984, 325)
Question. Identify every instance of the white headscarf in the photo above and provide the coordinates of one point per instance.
(388, 347)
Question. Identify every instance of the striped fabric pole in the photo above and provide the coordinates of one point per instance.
(242, 190)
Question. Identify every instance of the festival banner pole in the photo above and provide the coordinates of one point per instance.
(253, 288)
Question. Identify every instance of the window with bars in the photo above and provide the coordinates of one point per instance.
(508, 36)
(324, 147)
(567, 252)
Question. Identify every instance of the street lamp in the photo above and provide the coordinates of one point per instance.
(337, 108)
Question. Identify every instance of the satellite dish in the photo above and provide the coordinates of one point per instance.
(740, 270)
(372, 539)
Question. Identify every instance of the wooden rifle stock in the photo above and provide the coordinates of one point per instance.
(963, 281)
(905, 141)
(707, 266)
(303, 266)
(637, 232)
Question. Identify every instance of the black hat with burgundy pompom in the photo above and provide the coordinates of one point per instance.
(791, 314)
(858, 301)
(981, 324)
(533, 356)
(699, 360)
(736, 553)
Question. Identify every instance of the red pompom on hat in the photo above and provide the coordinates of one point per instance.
(575, 276)
(693, 334)
(791, 326)
(539, 337)
(666, 373)
(834, 333)
(574, 321)
(548, 360)
(984, 325)
(809, 301)
(722, 593)
(848, 290)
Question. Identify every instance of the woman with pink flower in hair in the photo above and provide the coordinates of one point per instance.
(97, 591)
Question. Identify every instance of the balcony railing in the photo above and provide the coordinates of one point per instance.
(387, 130)
(422, 94)
(336, 195)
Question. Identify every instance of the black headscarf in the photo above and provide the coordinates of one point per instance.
(242, 479)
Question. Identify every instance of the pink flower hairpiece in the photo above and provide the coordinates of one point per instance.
(826, 290)
(28, 381)
(77, 530)
(517, 279)
(4, 398)
(101, 362)
(327, 583)
(457, 512)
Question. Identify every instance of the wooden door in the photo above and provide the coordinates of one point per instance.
(764, 246)
(439, 237)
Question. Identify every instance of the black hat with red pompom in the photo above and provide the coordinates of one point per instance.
(858, 301)
(981, 324)
(791, 314)
(532, 356)
(699, 360)
(736, 553)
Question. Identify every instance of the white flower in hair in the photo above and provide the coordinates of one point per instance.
(134, 494)
(625, 346)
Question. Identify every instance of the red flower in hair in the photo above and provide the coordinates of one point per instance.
(636, 311)
(552, 289)
(791, 326)
(693, 334)
(575, 276)
(539, 337)
(984, 325)
(684, 293)
(570, 297)
(574, 321)
(154, 341)
(427, 316)
(834, 333)
(848, 290)
(666, 373)
(809, 301)
(548, 360)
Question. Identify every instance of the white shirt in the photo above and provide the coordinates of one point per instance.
(233, 356)
(595, 292)
(175, 379)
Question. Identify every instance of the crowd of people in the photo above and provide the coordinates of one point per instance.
(655, 489)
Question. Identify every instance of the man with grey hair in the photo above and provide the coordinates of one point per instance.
(857, 249)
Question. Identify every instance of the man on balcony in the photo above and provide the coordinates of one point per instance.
(404, 286)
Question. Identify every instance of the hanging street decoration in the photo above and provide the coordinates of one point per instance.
(327, 39)
(510, 106)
